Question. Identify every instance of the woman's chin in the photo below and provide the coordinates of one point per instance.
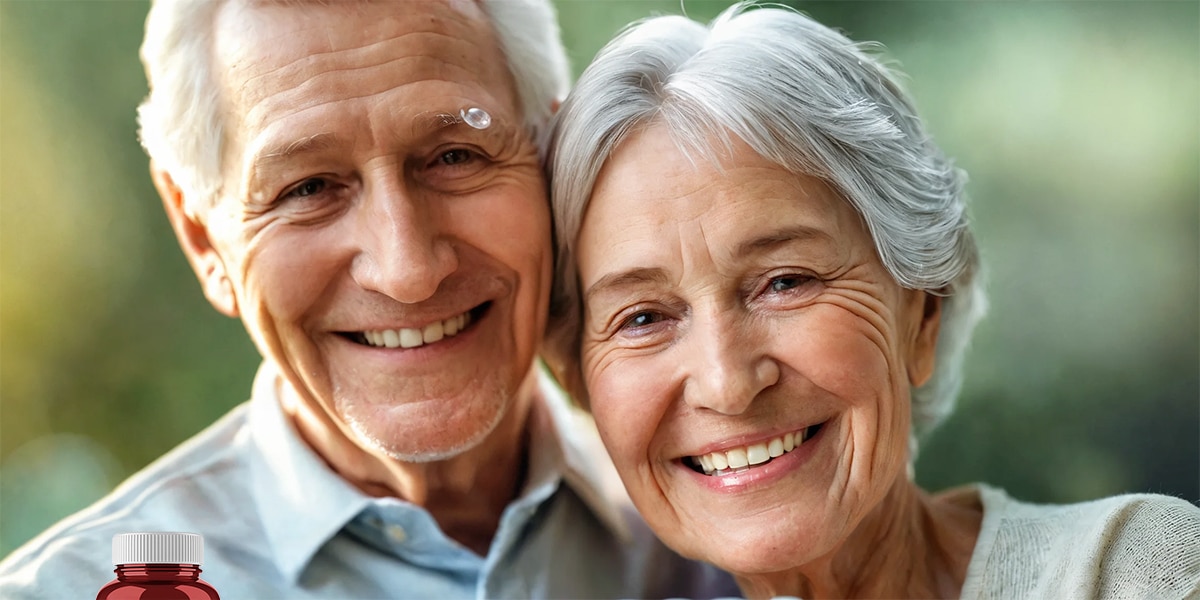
(743, 566)
(755, 553)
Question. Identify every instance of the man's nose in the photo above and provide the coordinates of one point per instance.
(727, 365)
(406, 251)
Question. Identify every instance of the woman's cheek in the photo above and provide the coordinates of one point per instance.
(622, 408)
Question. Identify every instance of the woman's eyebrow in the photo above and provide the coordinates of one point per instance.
(780, 237)
(636, 276)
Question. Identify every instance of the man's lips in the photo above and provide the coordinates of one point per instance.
(415, 337)
(740, 458)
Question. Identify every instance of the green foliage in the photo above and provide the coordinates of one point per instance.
(1078, 123)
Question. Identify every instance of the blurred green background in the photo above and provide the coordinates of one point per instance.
(1078, 122)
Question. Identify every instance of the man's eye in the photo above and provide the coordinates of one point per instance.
(310, 187)
(455, 157)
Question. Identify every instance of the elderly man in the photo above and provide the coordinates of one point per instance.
(360, 184)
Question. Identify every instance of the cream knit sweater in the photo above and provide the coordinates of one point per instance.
(1132, 546)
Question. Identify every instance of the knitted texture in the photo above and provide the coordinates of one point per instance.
(1131, 546)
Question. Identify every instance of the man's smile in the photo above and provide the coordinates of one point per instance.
(414, 337)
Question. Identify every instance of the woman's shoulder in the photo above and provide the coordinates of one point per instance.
(1132, 544)
(1133, 516)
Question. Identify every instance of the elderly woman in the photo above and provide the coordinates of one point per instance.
(766, 282)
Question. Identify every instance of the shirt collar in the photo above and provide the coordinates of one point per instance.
(303, 503)
(564, 441)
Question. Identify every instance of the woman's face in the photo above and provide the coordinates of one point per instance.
(747, 355)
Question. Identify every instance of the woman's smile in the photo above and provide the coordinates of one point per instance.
(740, 458)
(748, 467)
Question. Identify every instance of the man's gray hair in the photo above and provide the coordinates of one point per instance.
(804, 97)
(182, 120)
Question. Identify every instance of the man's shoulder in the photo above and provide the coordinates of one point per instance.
(668, 574)
(191, 488)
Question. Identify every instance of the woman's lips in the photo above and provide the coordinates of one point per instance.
(740, 459)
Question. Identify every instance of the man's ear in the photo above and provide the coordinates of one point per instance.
(922, 355)
(192, 233)
(560, 352)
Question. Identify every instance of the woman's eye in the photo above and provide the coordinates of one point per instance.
(641, 319)
(309, 187)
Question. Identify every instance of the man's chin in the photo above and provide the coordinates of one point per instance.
(402, 442)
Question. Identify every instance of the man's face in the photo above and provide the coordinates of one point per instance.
(393, 263)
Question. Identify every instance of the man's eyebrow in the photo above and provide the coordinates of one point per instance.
(627, 278)
(428, 123)
(779, 237)
(284, 151)
(433, 124)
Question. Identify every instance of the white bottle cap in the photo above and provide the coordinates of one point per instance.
(158, 547)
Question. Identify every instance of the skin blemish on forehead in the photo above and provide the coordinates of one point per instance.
(499, 140)
(476, 117)
(432, 121)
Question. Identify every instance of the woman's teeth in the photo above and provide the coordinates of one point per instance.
(740, 459)
(412, 338)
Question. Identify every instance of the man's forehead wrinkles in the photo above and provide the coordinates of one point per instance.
(412, 44)
(290, 81)
(268, 106)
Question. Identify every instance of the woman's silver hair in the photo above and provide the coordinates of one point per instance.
(182, 120)
(806, 98)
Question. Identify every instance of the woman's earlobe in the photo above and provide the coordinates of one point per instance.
(923, 355)
(560, 353)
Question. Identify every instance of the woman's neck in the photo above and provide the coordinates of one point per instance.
(911, 545)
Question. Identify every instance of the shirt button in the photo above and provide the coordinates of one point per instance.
(397, 534)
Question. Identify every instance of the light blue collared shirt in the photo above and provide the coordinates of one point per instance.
(278, 523)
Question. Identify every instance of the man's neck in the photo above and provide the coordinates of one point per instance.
(465, 494)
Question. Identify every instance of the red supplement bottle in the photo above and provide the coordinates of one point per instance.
(157, 566)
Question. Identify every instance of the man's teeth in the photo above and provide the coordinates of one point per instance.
(411, 337)
(726, 461)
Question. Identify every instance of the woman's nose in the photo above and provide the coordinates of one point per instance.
(404, 255)
(727, 365)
